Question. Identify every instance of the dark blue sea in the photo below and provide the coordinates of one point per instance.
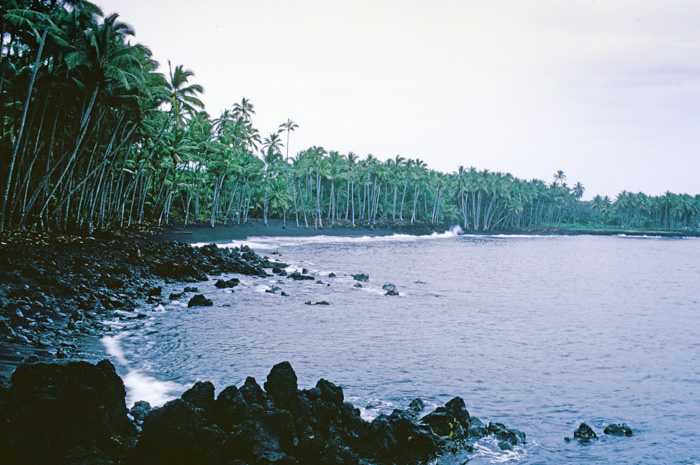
(538, 332)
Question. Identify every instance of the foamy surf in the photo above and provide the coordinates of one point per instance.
(139, 386)
(274, 242)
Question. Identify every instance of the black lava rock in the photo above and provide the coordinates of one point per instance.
(390, 289)
(281, 383)
(200, 301)
(50, 410)
(176, 433)
(330, 392)
(233, 282)
(618, 429)
(296, 276)
(201, 395)
(585, 433)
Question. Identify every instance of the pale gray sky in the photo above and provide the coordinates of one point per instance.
(608, 91)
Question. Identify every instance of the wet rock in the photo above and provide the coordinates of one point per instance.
(170, 269)
(322, 302)
(176, 433)
(230, 283)
(273, 289)
(358, 285)
(330, 392)
(51, 410)
(296, 276)
(176, 295)
(281, 383)
(140, 411)
(397, 438)
(390, 289)
(331, 275)
(505, 434)
(415, 407)
(361, 277)
(476, 429)
(229, 408)
(585, 433)
(191, 289)
(200, 301)
(451, 420)
(154, 291)
(618, 429)
(252, 392)
(201, 395)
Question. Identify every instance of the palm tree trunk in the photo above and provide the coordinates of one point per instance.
(23, 119)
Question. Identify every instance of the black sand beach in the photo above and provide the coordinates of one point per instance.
(201, 232)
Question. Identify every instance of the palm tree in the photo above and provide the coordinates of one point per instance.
(559, 176)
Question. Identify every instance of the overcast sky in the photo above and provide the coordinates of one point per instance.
(607, 91)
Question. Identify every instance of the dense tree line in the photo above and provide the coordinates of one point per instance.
(93, 136)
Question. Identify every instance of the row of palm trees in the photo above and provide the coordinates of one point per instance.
(94, 137)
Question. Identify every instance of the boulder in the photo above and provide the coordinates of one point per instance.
(252, 392)
(361, 277)
(585, 433)
(296, 276)
(281, 384)
(330, 392)
(618, 429)
(170, 269)
(230, 283)
(390, 289)
(201, 395)
(200, 301)
(415, 407)
(397, 438)
(51, 410)
(452, 420)
(506, 435)
(229, 409)
(176, 433)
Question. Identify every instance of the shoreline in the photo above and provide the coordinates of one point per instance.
(220, 234)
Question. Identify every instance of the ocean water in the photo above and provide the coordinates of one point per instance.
(537, 332)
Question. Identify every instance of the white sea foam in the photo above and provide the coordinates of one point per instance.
(488, 449)
(113, 348)
(273, 242)
(139, 386)
(143, 387)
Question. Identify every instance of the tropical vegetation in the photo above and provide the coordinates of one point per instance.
(93, 136)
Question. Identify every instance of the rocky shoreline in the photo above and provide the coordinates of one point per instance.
(76, 414)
